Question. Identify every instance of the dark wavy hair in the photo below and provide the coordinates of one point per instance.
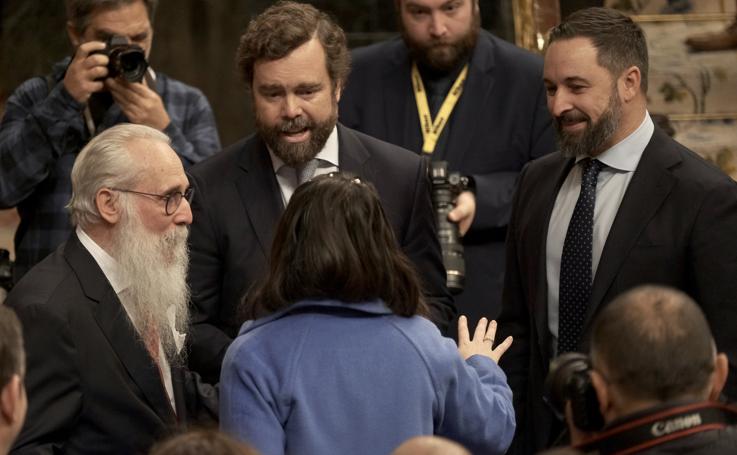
(79, 12)
(335, 242)
(284, 27)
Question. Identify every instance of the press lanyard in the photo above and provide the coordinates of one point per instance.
(431, 129)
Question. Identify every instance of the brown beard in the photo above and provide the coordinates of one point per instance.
(592, 139)
(440, 55)
(295, 154)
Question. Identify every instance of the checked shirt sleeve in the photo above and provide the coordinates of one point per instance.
(37, 128)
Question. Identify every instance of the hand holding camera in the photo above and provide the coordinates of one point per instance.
(86, 71)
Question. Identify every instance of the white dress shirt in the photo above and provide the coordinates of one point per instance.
(287, 176)
(119, 283)
(620, 162)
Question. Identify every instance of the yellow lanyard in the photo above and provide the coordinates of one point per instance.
(431, 129)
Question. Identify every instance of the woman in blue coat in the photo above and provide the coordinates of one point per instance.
(338, 357)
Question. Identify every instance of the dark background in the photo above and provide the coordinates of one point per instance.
(195, 41)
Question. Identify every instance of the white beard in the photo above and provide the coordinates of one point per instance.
(155, 267)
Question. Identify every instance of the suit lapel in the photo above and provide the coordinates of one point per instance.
(118, 329)
(353, 157)
(259, 191)
(476, 98)
(649, 187)
(550, 188)
(399, 99)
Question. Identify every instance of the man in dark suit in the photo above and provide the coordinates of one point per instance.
(622, 204)
(295, 60)
(498, 124)
(102, 315)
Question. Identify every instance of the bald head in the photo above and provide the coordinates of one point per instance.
(654, 343)
(430, 445)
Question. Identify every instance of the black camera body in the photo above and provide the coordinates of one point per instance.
(445, 189)
(126, 60)
(569, 380)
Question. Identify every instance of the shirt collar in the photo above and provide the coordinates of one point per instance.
(107, 263)
(626, 154)
(329, 152)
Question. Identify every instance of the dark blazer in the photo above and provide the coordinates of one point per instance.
(237, 205)
(500, 123)
(676, 226)
(92, 386)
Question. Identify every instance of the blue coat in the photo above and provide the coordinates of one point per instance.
(326, 377)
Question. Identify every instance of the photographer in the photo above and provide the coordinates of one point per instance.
(654, 378)
(49, 119)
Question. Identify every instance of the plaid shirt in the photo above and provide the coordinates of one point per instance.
(43, 131)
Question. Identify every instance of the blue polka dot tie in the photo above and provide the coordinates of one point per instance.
(575, 262)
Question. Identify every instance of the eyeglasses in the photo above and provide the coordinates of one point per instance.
(173, 199)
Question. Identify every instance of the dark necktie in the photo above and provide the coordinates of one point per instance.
(574, 292)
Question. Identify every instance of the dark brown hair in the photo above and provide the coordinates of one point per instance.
(335, 242)
(654, 343)
(287, 25)
(620, 43)
(12, 355)
(79, 12)
(197, 442)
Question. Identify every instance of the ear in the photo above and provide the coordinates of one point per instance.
(108, 205)
(338, 91)
(719, 376)
(74, 36)
(10, 399)
(602, 393)
(629, 83)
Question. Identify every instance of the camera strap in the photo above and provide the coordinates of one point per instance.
(668, 425)
(432, 128)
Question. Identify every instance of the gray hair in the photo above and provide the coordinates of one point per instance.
(105, 162)
(79, 12)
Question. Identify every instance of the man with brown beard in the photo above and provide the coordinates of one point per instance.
(621, 205)
(102, 315)
(498, 123)
(295, 61)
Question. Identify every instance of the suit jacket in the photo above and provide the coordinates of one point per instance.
(236, 210)
(500, 123)
(92, 386)
(675, 226)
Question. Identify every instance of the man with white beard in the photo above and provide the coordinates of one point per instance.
(102, 315)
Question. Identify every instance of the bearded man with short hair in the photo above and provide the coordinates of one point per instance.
(485, 101)
(104, 315)
(295, 61)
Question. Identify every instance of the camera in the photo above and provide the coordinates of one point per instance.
(126, 60)
(569, 380)
(445, 188)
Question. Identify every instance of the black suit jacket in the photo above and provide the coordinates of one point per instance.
(676, 226)
(92, 386)
(236, 209)
(500, 123)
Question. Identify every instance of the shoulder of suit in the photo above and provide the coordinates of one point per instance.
(367, 57)
(697, 170)
(382, 148)
(508, 54)
(45, 286)
(216, 165)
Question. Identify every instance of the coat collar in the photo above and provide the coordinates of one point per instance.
(370, 308)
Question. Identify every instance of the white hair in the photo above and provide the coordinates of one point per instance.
(105, 162)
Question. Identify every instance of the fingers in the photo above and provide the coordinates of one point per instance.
(490, 332)
(463, 336)
(480, 331)
(498, 351)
